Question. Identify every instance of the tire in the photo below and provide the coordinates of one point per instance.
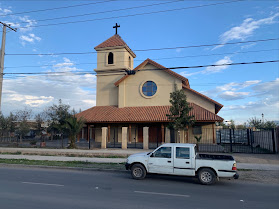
(206, 176)
(138, 171)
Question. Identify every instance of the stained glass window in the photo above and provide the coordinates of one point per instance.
(149, 88)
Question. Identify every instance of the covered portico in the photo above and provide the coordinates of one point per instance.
(137, 127)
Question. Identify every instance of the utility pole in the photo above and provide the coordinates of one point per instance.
(2, 54)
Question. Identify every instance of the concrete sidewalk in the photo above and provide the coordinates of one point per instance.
(252, 166)
(244, 161)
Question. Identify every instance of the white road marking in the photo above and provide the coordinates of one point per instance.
(166, 194)
(58, 185)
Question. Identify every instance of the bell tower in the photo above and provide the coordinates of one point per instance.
(113, 57)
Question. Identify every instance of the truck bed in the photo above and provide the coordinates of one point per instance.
(206, 156)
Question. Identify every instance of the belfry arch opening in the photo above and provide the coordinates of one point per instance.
(110, 58)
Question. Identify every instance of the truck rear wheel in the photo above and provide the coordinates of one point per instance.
(138, 171)
(206, 176)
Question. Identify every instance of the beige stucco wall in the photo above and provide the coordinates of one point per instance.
(208, 135)
(98, 134)
(107, 92)
(197, 99)
(118, 133)
(130, 89)
(121, 59)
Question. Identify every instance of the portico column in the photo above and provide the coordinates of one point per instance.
(167, 135)
(82, 133)
(124, 137)
(163, 133)
(145, 137)
(88, 132)
(104, 137)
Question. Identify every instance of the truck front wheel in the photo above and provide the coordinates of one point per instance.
(138, 171)
(206, 176)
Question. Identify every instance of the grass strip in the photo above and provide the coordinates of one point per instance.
(76, 164)
(65, 154)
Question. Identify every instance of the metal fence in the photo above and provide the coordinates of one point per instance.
(211, 140)
(238, 141)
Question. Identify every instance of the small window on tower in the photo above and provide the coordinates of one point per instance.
(130, 64)
(110, 58)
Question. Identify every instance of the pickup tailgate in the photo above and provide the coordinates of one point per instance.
(222, 164)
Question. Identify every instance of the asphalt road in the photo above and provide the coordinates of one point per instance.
(46, 188)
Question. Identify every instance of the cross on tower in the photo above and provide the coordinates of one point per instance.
(116, 26)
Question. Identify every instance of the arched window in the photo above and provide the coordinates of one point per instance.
(110, 58)
(130, 64)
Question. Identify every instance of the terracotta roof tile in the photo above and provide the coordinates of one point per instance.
(112, 114)
(115, 41)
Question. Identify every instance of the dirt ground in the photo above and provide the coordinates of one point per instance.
(270, 177)
(257, 158)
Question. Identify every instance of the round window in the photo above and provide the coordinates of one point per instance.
(149, 88)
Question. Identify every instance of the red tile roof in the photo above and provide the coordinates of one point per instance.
(157, 65)
(112, 114)
(115, 41)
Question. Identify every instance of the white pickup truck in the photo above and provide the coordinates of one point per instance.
(182, 160)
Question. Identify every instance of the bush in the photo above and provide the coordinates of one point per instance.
(33, 142)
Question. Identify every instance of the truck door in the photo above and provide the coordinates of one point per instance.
(183, 161)
(161, 161)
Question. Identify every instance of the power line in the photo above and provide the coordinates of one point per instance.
(102, 12)
(56, 8)
(157, 49)
(120, 71)
(90, 63)
(132, 15)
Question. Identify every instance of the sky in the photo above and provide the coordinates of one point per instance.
(246, 91)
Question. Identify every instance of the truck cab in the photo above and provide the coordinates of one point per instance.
(183, 160)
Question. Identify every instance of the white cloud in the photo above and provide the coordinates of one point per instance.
(5, 11)
(32, 101)
(230, 91)
(264, 99)
(211, 69)
(232, 95)
(245, 29)
(216, 69)
(38, 92)
(27, 25)
(31, 38)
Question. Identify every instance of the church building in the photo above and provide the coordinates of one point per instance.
(132, 103)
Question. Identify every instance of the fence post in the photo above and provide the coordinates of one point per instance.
(248, 136)
(220, 136)
(231, 139)
(273, 140)
(252, 140)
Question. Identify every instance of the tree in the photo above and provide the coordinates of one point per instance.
(74, 126)
(254, 122)
(40, 119)
(22, 117)
(57, 115)
(241, 126)
(3, 124)
(180, 111)
(11, 123)
(232, 124)
(269, 125)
